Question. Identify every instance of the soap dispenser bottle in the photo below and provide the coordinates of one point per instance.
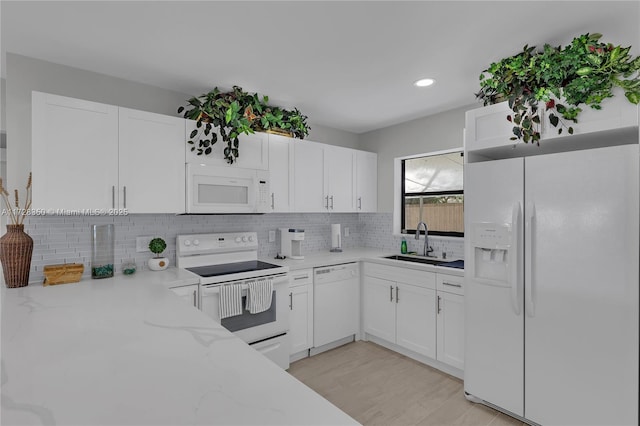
(403, 246)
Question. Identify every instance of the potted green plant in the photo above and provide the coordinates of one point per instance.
(233, 113)
(559, 80)
(157, 263)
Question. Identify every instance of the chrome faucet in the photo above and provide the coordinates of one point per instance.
(427, 249)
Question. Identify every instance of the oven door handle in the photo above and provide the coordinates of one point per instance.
(215, 288)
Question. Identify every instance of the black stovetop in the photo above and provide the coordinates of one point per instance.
(231, 268)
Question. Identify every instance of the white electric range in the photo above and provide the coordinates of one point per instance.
(225, 258)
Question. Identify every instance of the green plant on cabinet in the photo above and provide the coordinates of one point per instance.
(236, 112)
(584, 72)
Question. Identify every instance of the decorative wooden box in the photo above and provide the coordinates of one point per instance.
(63, 274)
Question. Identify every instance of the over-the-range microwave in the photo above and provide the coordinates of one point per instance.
(221, 189)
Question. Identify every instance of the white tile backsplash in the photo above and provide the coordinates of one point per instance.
(60, 239)
(376, 230)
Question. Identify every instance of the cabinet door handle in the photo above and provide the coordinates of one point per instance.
(195, 302)
(124, 193)
(291, 301)
(397, 295)
(438, 302)
(391, 293)
(273, 203)
(301, 277)
(113, 197)
(331, 202)
(451, 284)
(326, 202)
(359, 203)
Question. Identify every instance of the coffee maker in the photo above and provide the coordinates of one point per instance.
(291, 242)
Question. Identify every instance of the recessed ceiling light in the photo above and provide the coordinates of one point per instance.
(424, 82)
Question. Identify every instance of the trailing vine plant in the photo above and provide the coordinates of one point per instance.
(585, 72)
(233, 113)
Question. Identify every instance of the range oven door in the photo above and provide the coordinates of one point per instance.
(267, 330)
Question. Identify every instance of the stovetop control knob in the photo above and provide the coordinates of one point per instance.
(238, 239)
(250, 237)
(244, 238)
(187, 243)
(196, 242)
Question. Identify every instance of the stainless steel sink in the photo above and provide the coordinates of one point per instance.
(457, 264)
(416, 259)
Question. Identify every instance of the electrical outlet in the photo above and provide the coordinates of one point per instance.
(346, 231)
(272, 236)
(142, 243)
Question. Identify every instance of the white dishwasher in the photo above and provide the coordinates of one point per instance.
(335, 303)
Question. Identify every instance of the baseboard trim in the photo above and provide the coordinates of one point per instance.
(452, 371)
(332, 345)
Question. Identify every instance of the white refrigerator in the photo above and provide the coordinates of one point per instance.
(551, 286)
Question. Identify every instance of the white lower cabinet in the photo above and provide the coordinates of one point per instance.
(451, 329)
(399, 312)
(301, 311)
(189, 293)
(379, 308)
(415, 316)
(416, 310)
(450, 306)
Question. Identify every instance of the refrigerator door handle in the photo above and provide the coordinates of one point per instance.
(529, 249)
(514, 255)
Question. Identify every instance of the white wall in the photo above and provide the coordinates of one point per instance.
(3, 109)
(25, 74)
(3, 152)
(433, 133)
(329, 135)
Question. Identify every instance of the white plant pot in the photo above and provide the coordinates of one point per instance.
(158, 263)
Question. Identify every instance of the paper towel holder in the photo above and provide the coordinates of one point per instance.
(336, 238)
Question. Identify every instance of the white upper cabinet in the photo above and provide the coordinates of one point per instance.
(488, 127)
(280, 172)
(329, 178)
(616, 112)
(339, 179)
(488, 131)
(253, 149)
(308, 177)
(366, 182)
(87, 155)
(151, 162)
(74, 153)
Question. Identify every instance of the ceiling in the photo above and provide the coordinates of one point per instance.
(347, 65)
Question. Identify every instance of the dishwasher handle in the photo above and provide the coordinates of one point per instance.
(335, 273)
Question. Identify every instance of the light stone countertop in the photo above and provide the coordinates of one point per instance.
(126, 350)
(326, 258)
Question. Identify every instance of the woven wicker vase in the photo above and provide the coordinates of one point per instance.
(15, 254)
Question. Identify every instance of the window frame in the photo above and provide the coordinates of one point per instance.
(403, 194)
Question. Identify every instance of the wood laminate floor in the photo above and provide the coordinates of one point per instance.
(377, 386)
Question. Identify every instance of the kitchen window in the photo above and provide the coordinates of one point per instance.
(432, 192)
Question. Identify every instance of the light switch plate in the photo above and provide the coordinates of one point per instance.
(272, 236)
(142, 243)
(346, 231)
